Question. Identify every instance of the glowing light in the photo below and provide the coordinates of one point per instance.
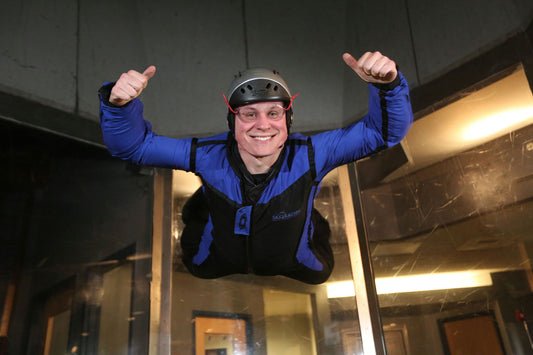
(497, 123)
(341, 289)
(417, 283)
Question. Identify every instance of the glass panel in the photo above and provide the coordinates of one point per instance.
(219, 344)
(216, 333)
(451, 230)
(283, 316)
(57, 334)
(289, 310)
(115, 311)
(75, 226)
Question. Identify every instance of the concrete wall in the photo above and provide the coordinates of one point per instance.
(59, 52)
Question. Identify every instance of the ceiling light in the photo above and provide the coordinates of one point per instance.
(417, 283)
(497, 123)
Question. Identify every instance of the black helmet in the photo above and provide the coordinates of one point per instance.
(257, 85)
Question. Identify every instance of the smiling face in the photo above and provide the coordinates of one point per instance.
(260, 132)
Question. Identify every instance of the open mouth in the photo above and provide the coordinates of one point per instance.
(262, 138)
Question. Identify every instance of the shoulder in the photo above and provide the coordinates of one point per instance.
(297, 139)
(221, 138)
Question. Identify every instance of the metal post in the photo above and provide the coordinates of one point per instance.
(363, 276)
(160, 290)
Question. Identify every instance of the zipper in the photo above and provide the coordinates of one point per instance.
(250, 268)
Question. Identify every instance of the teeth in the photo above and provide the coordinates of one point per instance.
(263, 138)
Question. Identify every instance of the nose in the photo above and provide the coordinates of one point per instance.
(262, 121)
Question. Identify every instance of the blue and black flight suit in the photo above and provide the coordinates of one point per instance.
(263, 224)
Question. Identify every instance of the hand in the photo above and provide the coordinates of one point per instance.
(130, 85)
(372, 67)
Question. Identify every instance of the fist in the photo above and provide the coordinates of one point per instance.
(372, 67)
(130, 85)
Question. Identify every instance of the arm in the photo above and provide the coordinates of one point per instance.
(389, 118)
(128, 136)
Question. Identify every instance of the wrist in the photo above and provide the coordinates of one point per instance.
(105, 95)
(389, 86)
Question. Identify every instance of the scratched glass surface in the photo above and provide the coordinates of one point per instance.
(280, 315)
(451, 229)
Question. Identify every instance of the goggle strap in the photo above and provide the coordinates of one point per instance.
(227, 103)
(292, 99)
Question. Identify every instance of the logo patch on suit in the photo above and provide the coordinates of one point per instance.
(283, 216)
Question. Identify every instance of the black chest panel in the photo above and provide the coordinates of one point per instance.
(275, 228)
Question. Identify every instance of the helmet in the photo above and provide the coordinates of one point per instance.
(254, 85)
(257, 85)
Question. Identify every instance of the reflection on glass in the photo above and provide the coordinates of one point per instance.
(284, 310)
(57, 334)
(415, 283)
(69, 215)
(459, 210)
(220, 334)
(351, 342)
(219, 344)
(115, 311)
(473, 333)
(285, 316)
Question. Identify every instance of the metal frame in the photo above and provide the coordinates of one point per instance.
(162, 247)
(363, 277)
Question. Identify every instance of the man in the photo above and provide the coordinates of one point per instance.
(254, 212)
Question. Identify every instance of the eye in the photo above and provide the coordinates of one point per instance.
(248, 114)
(275, 114)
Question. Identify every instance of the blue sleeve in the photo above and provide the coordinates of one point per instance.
(389, 118)
(129, 137)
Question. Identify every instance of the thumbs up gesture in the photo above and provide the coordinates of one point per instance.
(130, 85)
(372, 67)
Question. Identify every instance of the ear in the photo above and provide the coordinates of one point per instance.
(231, 121)
(289, 117)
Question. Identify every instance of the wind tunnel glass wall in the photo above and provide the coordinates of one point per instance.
(75, 257)
(248, 314)
(451, 230)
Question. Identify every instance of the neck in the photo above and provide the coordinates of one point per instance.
(258, 165)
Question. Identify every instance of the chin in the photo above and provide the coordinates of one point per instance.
(264, 154)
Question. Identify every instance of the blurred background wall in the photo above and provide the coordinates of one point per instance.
(58, 53)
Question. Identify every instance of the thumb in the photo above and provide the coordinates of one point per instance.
(349, 60)
(149, 72)
(352, 63)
